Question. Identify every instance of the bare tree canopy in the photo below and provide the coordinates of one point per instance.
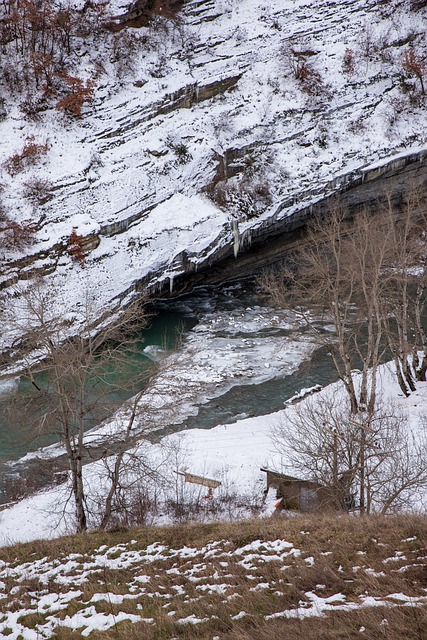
(78, 380)
(374, 464)
(367, 276)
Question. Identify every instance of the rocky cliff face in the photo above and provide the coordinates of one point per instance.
(392, 182)
(211, 134)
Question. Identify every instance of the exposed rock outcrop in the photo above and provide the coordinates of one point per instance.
(371, 188)
(217, 98)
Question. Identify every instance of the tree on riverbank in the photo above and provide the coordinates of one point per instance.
(74, 381)
(374, 463)
(368, 277)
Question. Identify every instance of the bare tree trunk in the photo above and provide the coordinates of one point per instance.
(420, 342)
(79, 494)
(115, 473)
(74, 371)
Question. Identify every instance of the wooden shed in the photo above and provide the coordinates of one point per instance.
(297, 494)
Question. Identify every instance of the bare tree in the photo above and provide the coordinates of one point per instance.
(338, 274)
(134, 478)
(403, 305)
(375, 463)
(367, 276)
(74, 378)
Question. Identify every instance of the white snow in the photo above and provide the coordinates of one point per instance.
(233, 454)
(104, 172)
(318, 606)
(88, 620)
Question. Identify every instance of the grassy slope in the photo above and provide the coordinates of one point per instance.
(353, 566)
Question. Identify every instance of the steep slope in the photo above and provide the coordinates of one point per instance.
(206, 130)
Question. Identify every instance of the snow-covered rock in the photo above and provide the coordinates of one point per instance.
(217, 96)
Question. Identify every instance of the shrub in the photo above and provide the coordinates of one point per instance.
(15, 235)
(14, 164)
(396, 105)
(125, 47)
(296, 57)
(246, 197)
(180, 150)
(43, 68)
(76, 247)
(81, 92)
(37, 190)
(302, 69)
(16, 74)
(375, 43)
(31, 153)
(368, 42)
(348, 63)
(32, 107)
(415, 66)
(17, 486)
(142, 14)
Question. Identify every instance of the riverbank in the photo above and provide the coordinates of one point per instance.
(237, 357)
(232, 454)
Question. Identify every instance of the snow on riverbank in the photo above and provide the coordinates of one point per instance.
(241, 346)
(233, 454)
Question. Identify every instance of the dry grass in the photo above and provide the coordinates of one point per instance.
(337, 555)
(345, 533)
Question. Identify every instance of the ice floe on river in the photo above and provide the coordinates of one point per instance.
(244, 346)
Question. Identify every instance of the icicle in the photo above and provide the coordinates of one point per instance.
(236, 234)
(171, 283)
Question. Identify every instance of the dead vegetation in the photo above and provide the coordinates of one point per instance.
(245, 580)
(142, 12)
(31, 154)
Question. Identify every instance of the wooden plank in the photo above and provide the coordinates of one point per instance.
(205, 482)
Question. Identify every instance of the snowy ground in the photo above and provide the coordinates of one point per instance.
(161, 584)
(232, 454)
(115, 170)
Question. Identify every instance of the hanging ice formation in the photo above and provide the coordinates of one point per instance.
(236, 235)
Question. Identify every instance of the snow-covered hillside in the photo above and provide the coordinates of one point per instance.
(202, 129)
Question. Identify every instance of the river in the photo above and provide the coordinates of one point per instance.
(237, 357)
